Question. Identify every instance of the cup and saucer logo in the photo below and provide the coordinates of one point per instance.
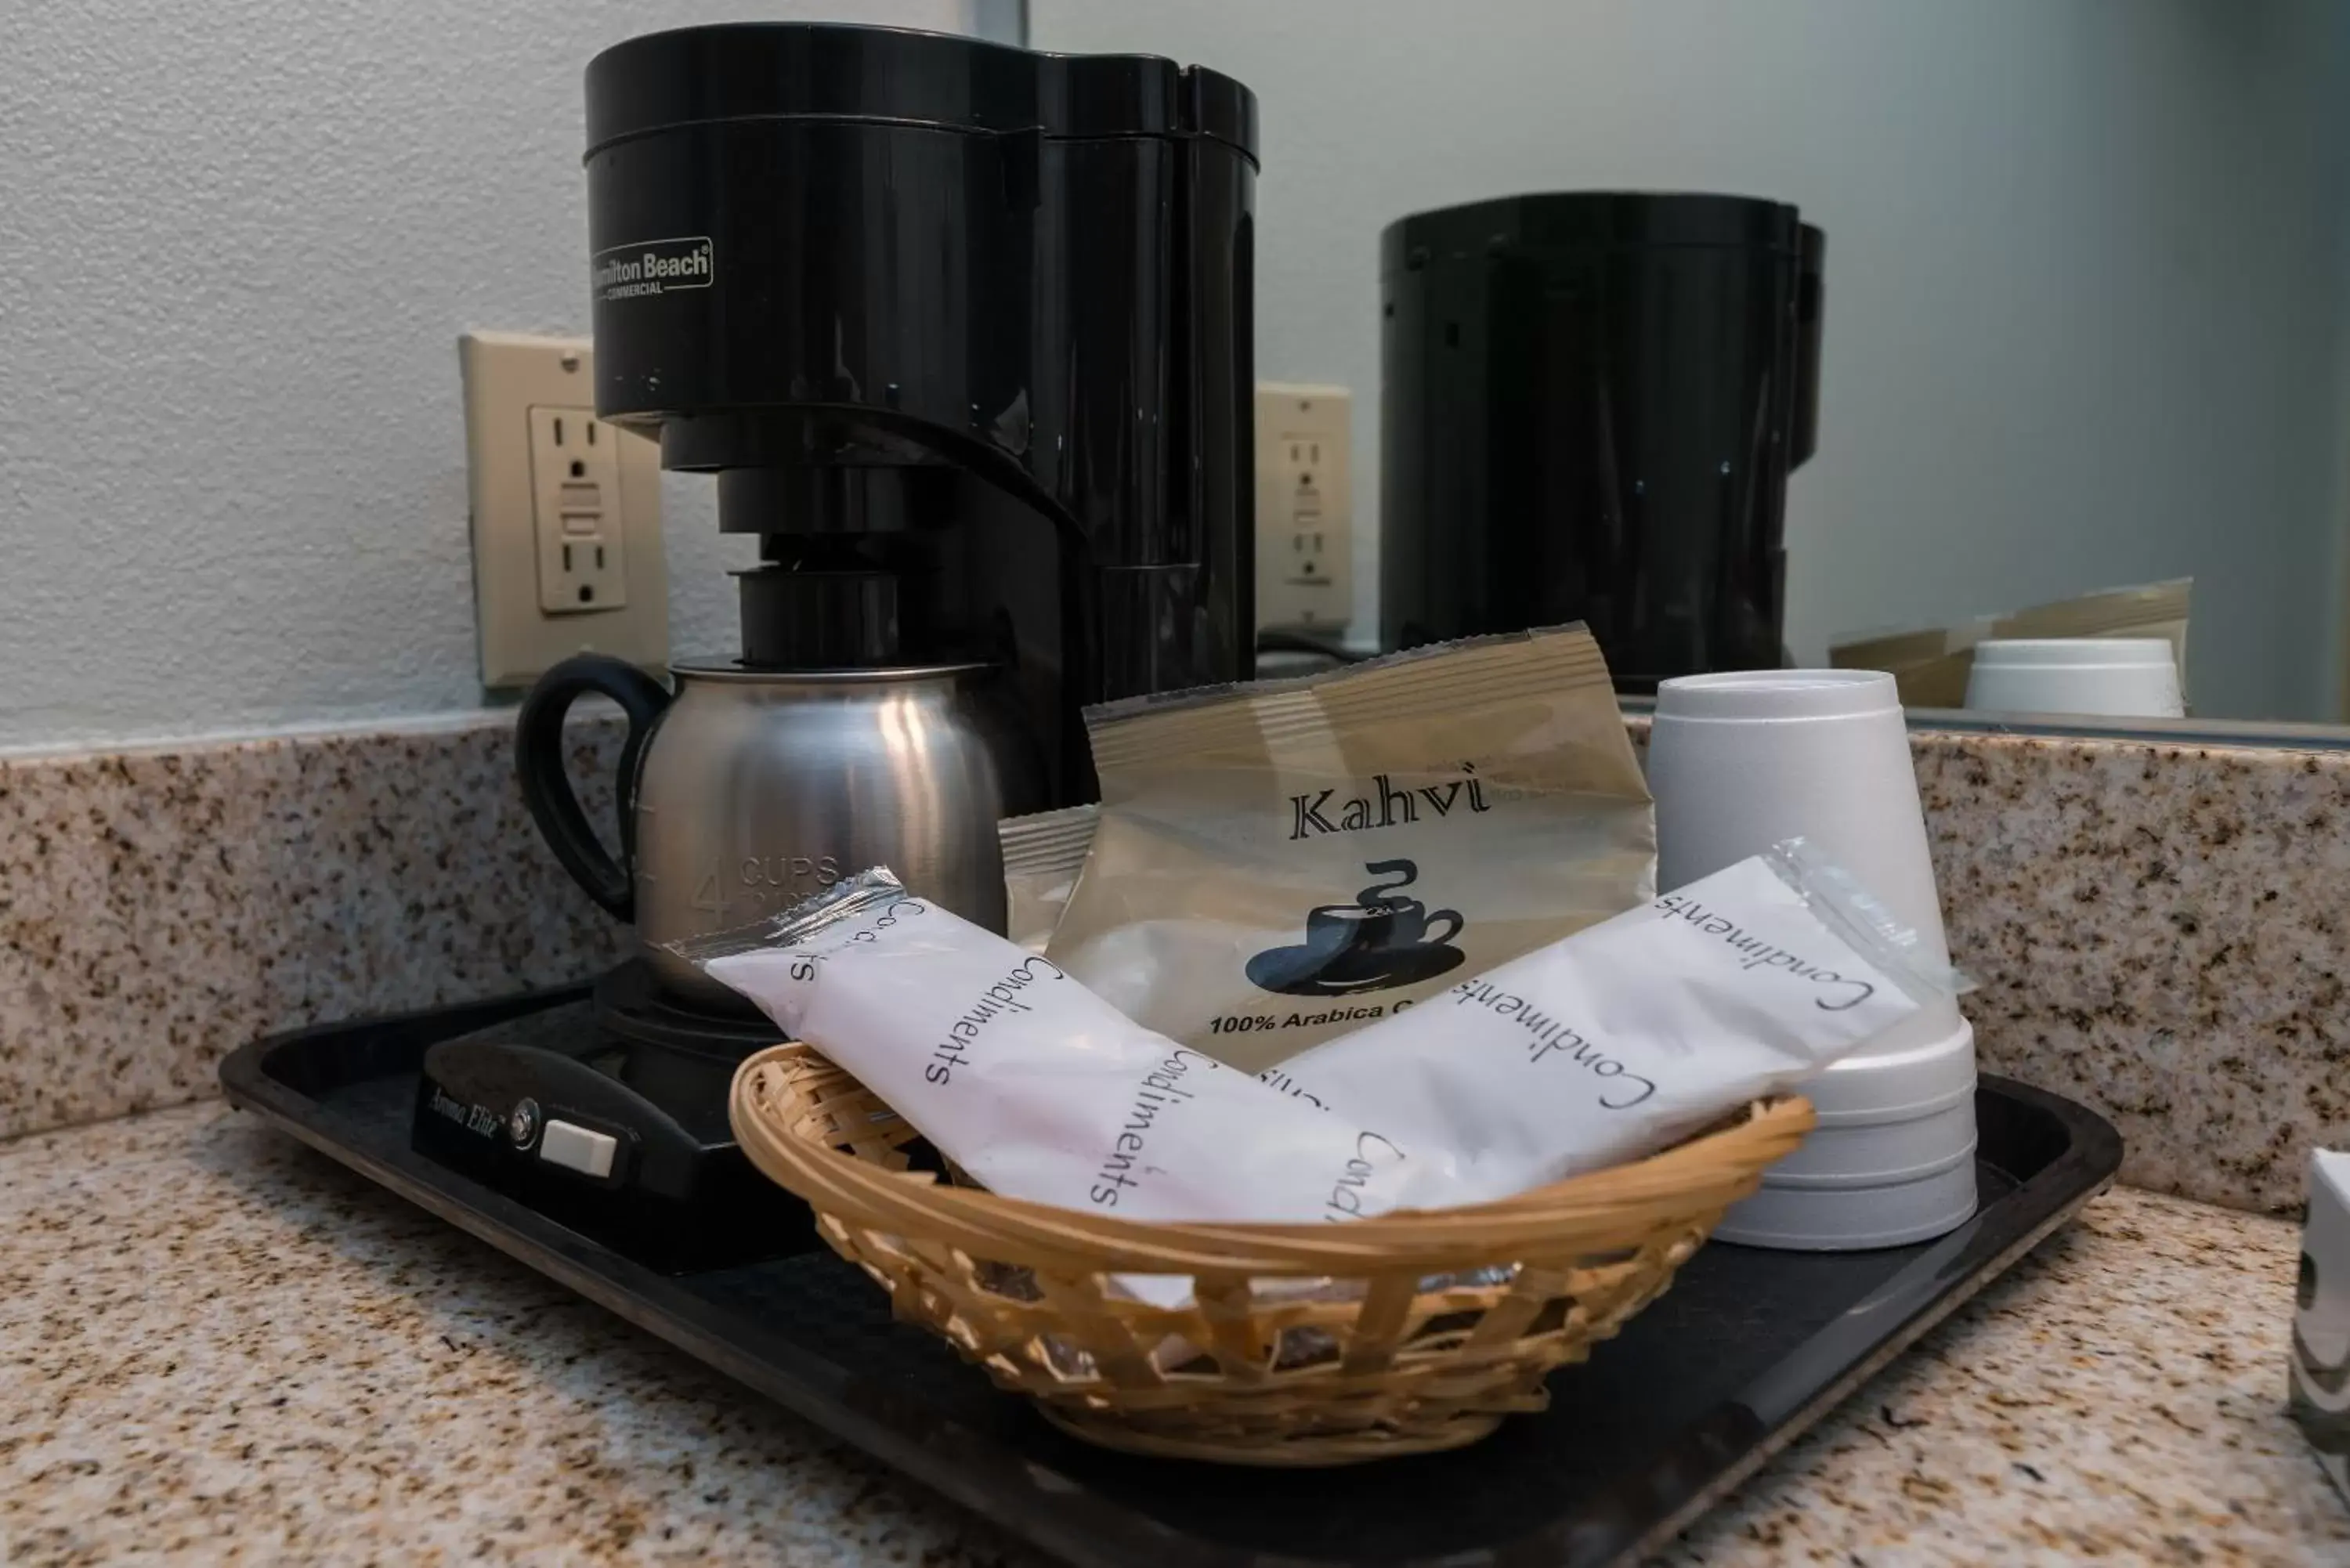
(1381, 941)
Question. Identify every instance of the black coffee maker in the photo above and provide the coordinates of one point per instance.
(1591, 402)
(965, 333)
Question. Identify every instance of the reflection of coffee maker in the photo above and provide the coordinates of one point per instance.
(1590, 404)
(965, 333)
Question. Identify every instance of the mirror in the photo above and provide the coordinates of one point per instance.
(2084, 292)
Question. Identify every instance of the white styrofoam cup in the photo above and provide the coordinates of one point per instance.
(1891, 1161)
(1851, 1219)
(1888, 1116)
(1739, 761)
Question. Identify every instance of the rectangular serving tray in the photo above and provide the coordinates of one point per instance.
(1747, 1349)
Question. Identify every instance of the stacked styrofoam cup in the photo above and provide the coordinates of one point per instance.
(2130, 676)
(1739, 761)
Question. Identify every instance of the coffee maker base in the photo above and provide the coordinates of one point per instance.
(609, 1116)
(630, 1002)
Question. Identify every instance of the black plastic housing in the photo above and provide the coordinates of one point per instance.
(867, 250)
(1591, 405)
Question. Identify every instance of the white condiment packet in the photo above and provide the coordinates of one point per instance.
(1628, 1036)
(1039, 1088)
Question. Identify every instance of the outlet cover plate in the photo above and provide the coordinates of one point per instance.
(575, 497)
(526, 605)
(1304, 509)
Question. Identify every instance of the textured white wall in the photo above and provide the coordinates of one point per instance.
(2083, 296)
(239, 243)
(2085, 279)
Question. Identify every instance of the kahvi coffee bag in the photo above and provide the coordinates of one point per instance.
(1628, 1036)
(1281, 862)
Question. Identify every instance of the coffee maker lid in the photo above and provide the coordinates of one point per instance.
(1565, 219)
(823, 71)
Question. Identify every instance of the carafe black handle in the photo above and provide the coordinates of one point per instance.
(546, 788)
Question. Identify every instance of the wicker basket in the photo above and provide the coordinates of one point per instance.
(1406, 1349)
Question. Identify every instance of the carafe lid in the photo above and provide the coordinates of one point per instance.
(737, 674)
(1575, 220)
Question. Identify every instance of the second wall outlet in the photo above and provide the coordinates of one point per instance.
(565, 513)
(1304, 509)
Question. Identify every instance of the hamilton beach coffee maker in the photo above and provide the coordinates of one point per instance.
(963, 332)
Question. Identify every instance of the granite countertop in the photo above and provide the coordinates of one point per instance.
(216, 1345)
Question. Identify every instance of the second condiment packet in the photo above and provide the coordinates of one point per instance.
(1630, 1036)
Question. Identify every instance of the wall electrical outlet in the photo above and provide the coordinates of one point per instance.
(575, 495)
(1304, 509)
(565, 513)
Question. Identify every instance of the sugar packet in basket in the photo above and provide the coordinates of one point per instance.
(1278, 863)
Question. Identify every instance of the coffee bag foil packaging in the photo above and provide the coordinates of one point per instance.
(1281, 862)
(1043, 854)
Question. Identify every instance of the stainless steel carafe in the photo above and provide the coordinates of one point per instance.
(750, 790)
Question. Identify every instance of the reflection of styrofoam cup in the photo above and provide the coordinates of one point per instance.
(2121, 676)
(1739, 761)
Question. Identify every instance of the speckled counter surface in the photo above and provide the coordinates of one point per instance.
(217, 1346)
(2157, 926)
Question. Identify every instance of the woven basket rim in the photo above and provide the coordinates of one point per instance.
(782, 1129)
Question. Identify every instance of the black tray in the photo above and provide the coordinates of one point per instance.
(1746, 1349)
